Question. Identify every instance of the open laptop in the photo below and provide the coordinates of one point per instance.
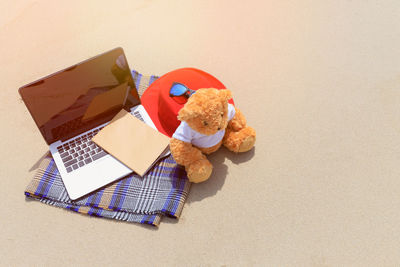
(72, 105)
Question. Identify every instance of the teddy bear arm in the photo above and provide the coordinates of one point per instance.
(238, 121)
(184, 153)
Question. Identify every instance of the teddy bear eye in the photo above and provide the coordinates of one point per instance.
(205, 123)
(222, 114)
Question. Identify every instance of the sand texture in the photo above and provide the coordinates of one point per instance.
(318, 80)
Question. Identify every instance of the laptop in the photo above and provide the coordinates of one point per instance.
(70, 106)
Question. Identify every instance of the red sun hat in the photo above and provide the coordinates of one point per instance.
(162, 108)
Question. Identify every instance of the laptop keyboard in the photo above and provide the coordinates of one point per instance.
(80, 151)
(138, 115)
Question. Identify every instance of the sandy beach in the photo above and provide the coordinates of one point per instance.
(318, 80)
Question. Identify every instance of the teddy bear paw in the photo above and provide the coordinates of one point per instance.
(199, 170)
(240, 141)
(247, 143)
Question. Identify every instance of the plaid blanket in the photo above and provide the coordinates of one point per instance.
(161, 192)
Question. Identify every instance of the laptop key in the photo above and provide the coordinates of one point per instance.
(75, 166)
(138, 115)
(86, 156)
(99, 155)
(81, 152)
(80, 158)
(92, 152)
(81, 163)
(88, 160)
(69, 163)
(63, 155)
(69, 169)
(75, 155)
(66, 159)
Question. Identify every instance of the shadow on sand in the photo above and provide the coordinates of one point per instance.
(36, 165)
(220, 170)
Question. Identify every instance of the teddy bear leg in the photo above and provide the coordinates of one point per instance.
(240, 141)
(199, 171)
(197, 167)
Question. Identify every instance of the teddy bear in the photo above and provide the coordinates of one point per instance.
(207, 122)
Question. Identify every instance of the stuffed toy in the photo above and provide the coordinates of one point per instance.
(207, 122)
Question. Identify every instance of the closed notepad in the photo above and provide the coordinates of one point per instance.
(132, 142)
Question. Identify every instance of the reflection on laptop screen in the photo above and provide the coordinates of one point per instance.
(81, 97)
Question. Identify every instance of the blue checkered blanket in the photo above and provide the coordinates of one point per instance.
(161, 192)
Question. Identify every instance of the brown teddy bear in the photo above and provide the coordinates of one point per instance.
(207, 121)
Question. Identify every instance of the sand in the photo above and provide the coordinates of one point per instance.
(318, 80)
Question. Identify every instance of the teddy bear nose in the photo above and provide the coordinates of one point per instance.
(219, 128)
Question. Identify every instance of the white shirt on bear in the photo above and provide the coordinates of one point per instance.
(187, 134)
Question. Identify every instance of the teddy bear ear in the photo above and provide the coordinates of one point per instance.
(186, 113)
(225, 94)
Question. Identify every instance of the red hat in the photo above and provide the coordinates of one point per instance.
(162, 108)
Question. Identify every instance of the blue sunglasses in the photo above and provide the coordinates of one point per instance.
(178, 89)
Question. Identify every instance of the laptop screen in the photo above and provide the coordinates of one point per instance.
(81, 97)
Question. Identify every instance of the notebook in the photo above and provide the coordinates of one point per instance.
(132, 142)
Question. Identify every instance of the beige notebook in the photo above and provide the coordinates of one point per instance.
(132, 142)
